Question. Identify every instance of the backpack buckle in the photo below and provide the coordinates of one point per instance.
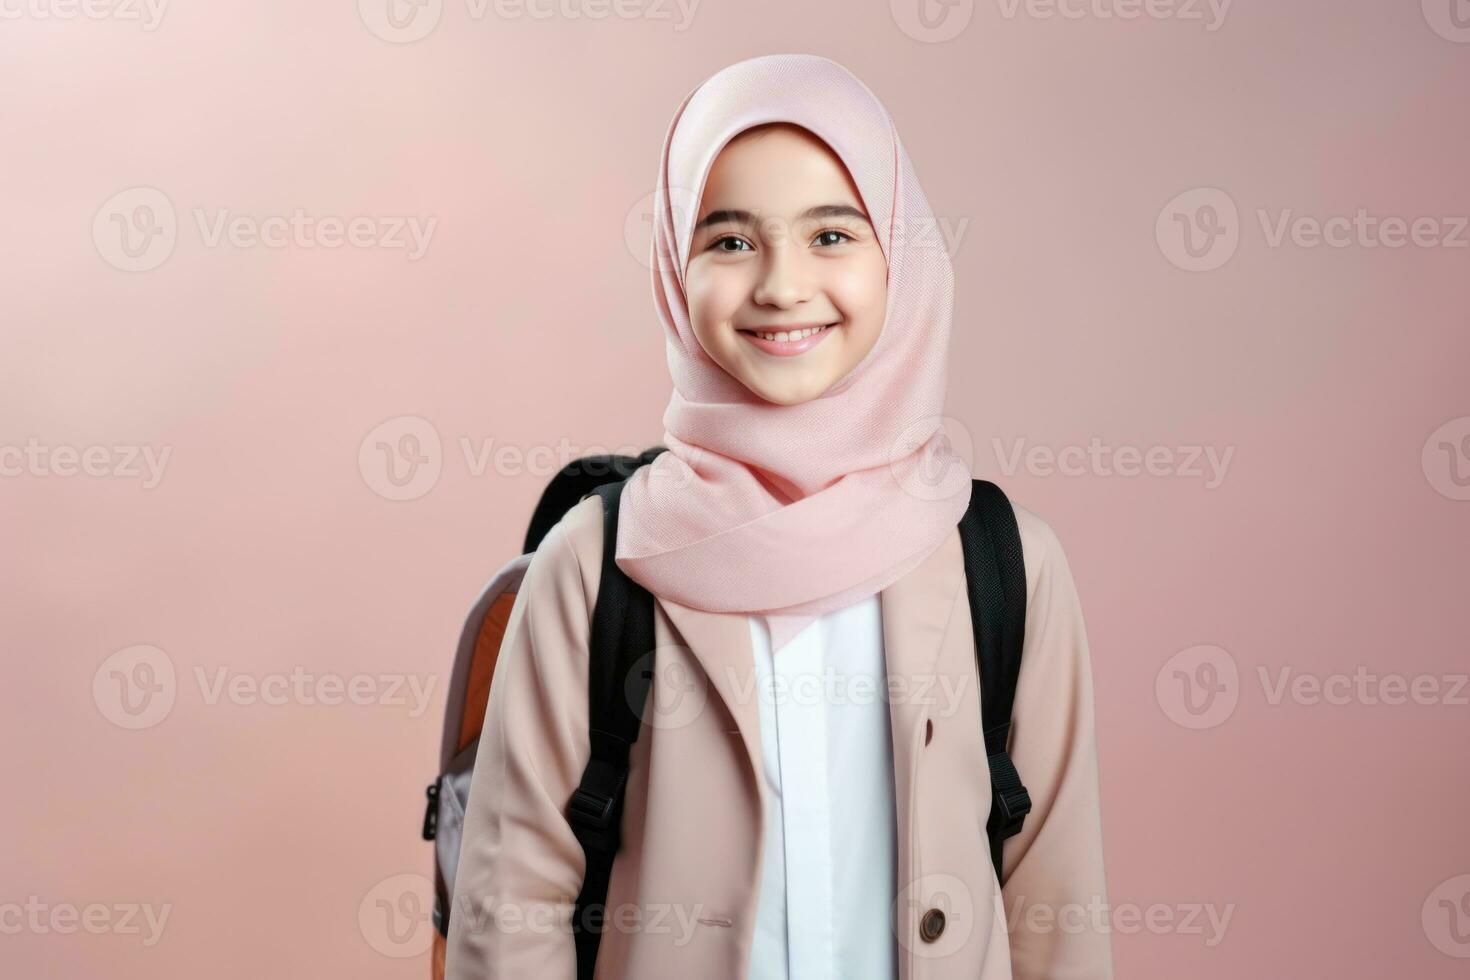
(592, 811)
(1011, 801)
(431, 812)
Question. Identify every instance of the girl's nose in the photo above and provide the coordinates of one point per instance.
(783, 282)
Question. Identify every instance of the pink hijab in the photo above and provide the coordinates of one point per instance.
(792, 511)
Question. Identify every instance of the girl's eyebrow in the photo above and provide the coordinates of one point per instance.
(820, 211)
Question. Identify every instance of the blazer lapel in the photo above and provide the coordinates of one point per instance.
(720, 643)
(916, 613)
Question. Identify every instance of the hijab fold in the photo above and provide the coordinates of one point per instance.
(791, 511)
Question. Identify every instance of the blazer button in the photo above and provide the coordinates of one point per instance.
(931, 925)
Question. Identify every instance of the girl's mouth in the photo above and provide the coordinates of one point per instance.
(788, 341)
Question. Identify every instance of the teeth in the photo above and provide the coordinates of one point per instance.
(786, 335)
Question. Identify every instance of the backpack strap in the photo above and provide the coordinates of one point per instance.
(575, 481)
(995, 572)
(618, 683)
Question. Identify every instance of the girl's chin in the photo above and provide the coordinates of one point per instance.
(791, 388)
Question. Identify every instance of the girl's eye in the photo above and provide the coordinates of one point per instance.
(739, 244)
(842, 236)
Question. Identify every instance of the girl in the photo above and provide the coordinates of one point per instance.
(808, 796)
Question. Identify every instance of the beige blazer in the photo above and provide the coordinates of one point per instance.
(684, 887)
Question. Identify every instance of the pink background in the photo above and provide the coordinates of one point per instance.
(1335, 541)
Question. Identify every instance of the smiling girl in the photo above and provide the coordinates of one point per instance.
(800, 541)
(791, 278)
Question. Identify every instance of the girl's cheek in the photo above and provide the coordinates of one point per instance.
(715, 297)
(859, 290)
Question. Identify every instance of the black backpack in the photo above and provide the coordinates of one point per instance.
(622, 636)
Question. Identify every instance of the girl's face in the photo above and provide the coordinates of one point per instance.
(786, 283)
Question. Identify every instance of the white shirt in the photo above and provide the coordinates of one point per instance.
(829, 872)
